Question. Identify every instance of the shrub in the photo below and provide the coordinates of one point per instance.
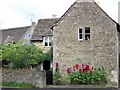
(86, 75)
(22, 55)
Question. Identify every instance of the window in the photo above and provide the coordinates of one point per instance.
(87, 33)
(80, 34)
(84, 33)
(50, 41)
(47, 41)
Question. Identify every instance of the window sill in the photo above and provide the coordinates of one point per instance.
(84, 40)
(47, 46)
(80, 40)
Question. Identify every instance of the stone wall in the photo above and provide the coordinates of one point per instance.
(40, 45)
(102, 48)
(33, 76)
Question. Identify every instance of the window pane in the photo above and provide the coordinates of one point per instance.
(87, 37)
(50, 41)
(87, 29)
(80, 36)
(80, 30)
(46, 41)
(46, 44)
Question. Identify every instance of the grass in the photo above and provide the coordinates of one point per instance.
(18, 85)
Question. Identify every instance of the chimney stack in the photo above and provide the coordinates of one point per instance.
(33, 24)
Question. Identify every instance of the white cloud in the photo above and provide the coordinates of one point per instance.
(15, 13)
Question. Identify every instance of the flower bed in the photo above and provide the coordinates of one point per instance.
(86, 75)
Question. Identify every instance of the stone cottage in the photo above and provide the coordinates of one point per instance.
(86, 34)
(42, 36)
(39, 35)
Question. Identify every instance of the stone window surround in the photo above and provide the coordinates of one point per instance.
(83, 33)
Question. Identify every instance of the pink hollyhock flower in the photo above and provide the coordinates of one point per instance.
(83, 65)
(77, 66)
(68, 70)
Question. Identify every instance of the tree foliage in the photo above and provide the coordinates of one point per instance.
(22, 55)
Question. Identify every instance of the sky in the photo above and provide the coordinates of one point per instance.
(18, 13)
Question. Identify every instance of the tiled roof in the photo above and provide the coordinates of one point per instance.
(15, 33)
(43, 26)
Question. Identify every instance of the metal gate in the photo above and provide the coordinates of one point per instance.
(49, 77)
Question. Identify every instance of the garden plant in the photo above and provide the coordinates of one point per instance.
(21, 55)
(57, 76)
(84, 74)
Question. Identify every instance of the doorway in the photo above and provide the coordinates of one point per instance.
(49, 75)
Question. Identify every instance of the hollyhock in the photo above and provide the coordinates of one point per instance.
(92, 68)
(80, 70)
(83, 65)
(90, 72)
(56, 69)
(77, 66)
(87, 68)
(68, 70)
(57, 65)
(84, 70)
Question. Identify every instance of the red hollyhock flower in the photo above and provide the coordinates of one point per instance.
(87, 68)
(57, 65)
(77, 66)
(90, 72)
(83, 65)
(68, 70)
(80, 70)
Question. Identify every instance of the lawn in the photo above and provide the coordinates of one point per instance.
(17, 85)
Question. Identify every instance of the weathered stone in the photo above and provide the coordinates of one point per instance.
(102, 48)
(36, 77)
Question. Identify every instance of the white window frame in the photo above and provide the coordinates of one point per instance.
(48, 38)
(79, 34)
(83, 34)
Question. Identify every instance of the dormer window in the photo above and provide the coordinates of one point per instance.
(84, 33)
(47, 41)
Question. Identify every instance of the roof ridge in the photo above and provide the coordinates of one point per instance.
(14, 28)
